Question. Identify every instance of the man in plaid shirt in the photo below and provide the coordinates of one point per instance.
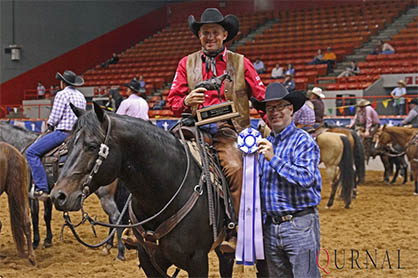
(290, 188)
(60, 122)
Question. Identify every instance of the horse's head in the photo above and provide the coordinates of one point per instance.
(89, 163)
(381, 138)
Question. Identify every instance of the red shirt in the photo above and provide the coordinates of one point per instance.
(180, 89)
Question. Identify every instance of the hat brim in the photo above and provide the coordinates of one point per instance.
(79, 81)
(402, 83)
(321, 95)
(297, 99)
(130, 87)
(230, 23)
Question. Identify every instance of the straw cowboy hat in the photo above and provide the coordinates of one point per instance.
(363, 102)
(70, 78)
(213, 15)
(276, 91)
(318, 91)
(401, 82)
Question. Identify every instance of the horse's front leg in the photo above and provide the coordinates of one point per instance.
(199, 265)
(226, 263)
(34, 211)
(148, 267)
(47, 219)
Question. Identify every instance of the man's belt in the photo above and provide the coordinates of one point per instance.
(289, 216)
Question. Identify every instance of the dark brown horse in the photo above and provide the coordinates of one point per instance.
(407, 138)
(14, 180)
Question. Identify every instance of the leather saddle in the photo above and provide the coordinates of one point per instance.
(54, 159)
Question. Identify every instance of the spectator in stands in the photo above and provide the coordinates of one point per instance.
(305, 117)
(135, 105)
(60, 122)
(113, 60)
(329, 58)
(317, 59)
(366, 117)
(315, 96)
(142, 85)
(290, 70)
(214, 59)
(353, 69)
(41, 90)
(412, 118)
(398, 99)
(288, 82)
(259, 66)
(277, 72)
(387, 48)
(53, 90)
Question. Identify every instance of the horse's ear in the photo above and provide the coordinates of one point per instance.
(383, 128)
(99, 112)
(77, 111)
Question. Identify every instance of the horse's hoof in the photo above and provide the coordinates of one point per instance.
(105, 251)
(121, 258)
(47, 243)
(326, 207)
(415, 194)
(35, 245)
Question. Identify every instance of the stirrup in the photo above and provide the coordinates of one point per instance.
(32, 192)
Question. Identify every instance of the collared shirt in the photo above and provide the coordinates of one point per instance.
(399, 92)
(179, 88)
(304, 116)
(259, 65)
(318, 109)
(62, 117)
(134, 106)
(277, 72)
(366, 117)
(41, 90)
(412, 118)
(291, 180)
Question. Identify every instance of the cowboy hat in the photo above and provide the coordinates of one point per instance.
(70, 78)
(318, 91)
(276, 91)
(414, 101)
(363, 102)
(134, 85)
(402, 83)
(213, 15)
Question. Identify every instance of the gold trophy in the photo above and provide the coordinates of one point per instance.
(218, 112)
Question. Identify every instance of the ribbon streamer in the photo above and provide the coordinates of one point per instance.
(250, 233)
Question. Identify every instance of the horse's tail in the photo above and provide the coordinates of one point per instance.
(17, 184)
(121, 196)
(347, 172)
(359, 157)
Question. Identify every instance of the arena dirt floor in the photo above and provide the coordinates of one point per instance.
(382, 224)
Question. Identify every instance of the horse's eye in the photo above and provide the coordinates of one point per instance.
(92, 148)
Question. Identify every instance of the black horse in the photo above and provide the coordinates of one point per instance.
(158, 171)
(112, 197)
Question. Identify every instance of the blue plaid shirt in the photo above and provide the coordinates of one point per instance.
(62, 117)
(291, 180)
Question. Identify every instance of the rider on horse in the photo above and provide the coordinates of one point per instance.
(212, 60)
(60, 122)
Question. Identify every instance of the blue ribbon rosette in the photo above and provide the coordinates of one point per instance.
(250, 232)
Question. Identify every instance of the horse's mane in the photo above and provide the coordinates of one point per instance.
(91, 124)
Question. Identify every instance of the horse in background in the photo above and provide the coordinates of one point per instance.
(390, 156)
(14, 180)
(112, 197)
(407, 138)
(358, 151)
(163, 178)
(337, 155)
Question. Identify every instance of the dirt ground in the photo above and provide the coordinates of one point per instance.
(382, 225)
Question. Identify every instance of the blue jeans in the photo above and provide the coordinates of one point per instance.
(291, 247)
(37, 150)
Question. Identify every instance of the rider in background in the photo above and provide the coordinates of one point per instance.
(412, 118)
(60, 122)
(366, 117)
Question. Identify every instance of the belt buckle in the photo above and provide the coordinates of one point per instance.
(286, 218)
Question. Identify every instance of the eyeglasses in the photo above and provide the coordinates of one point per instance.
(277, 108)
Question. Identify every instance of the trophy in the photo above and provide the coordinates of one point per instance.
(218, 112)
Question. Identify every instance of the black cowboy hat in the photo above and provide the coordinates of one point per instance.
(213, 15)
(70, 78)
(134, 85)
(276, 91)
